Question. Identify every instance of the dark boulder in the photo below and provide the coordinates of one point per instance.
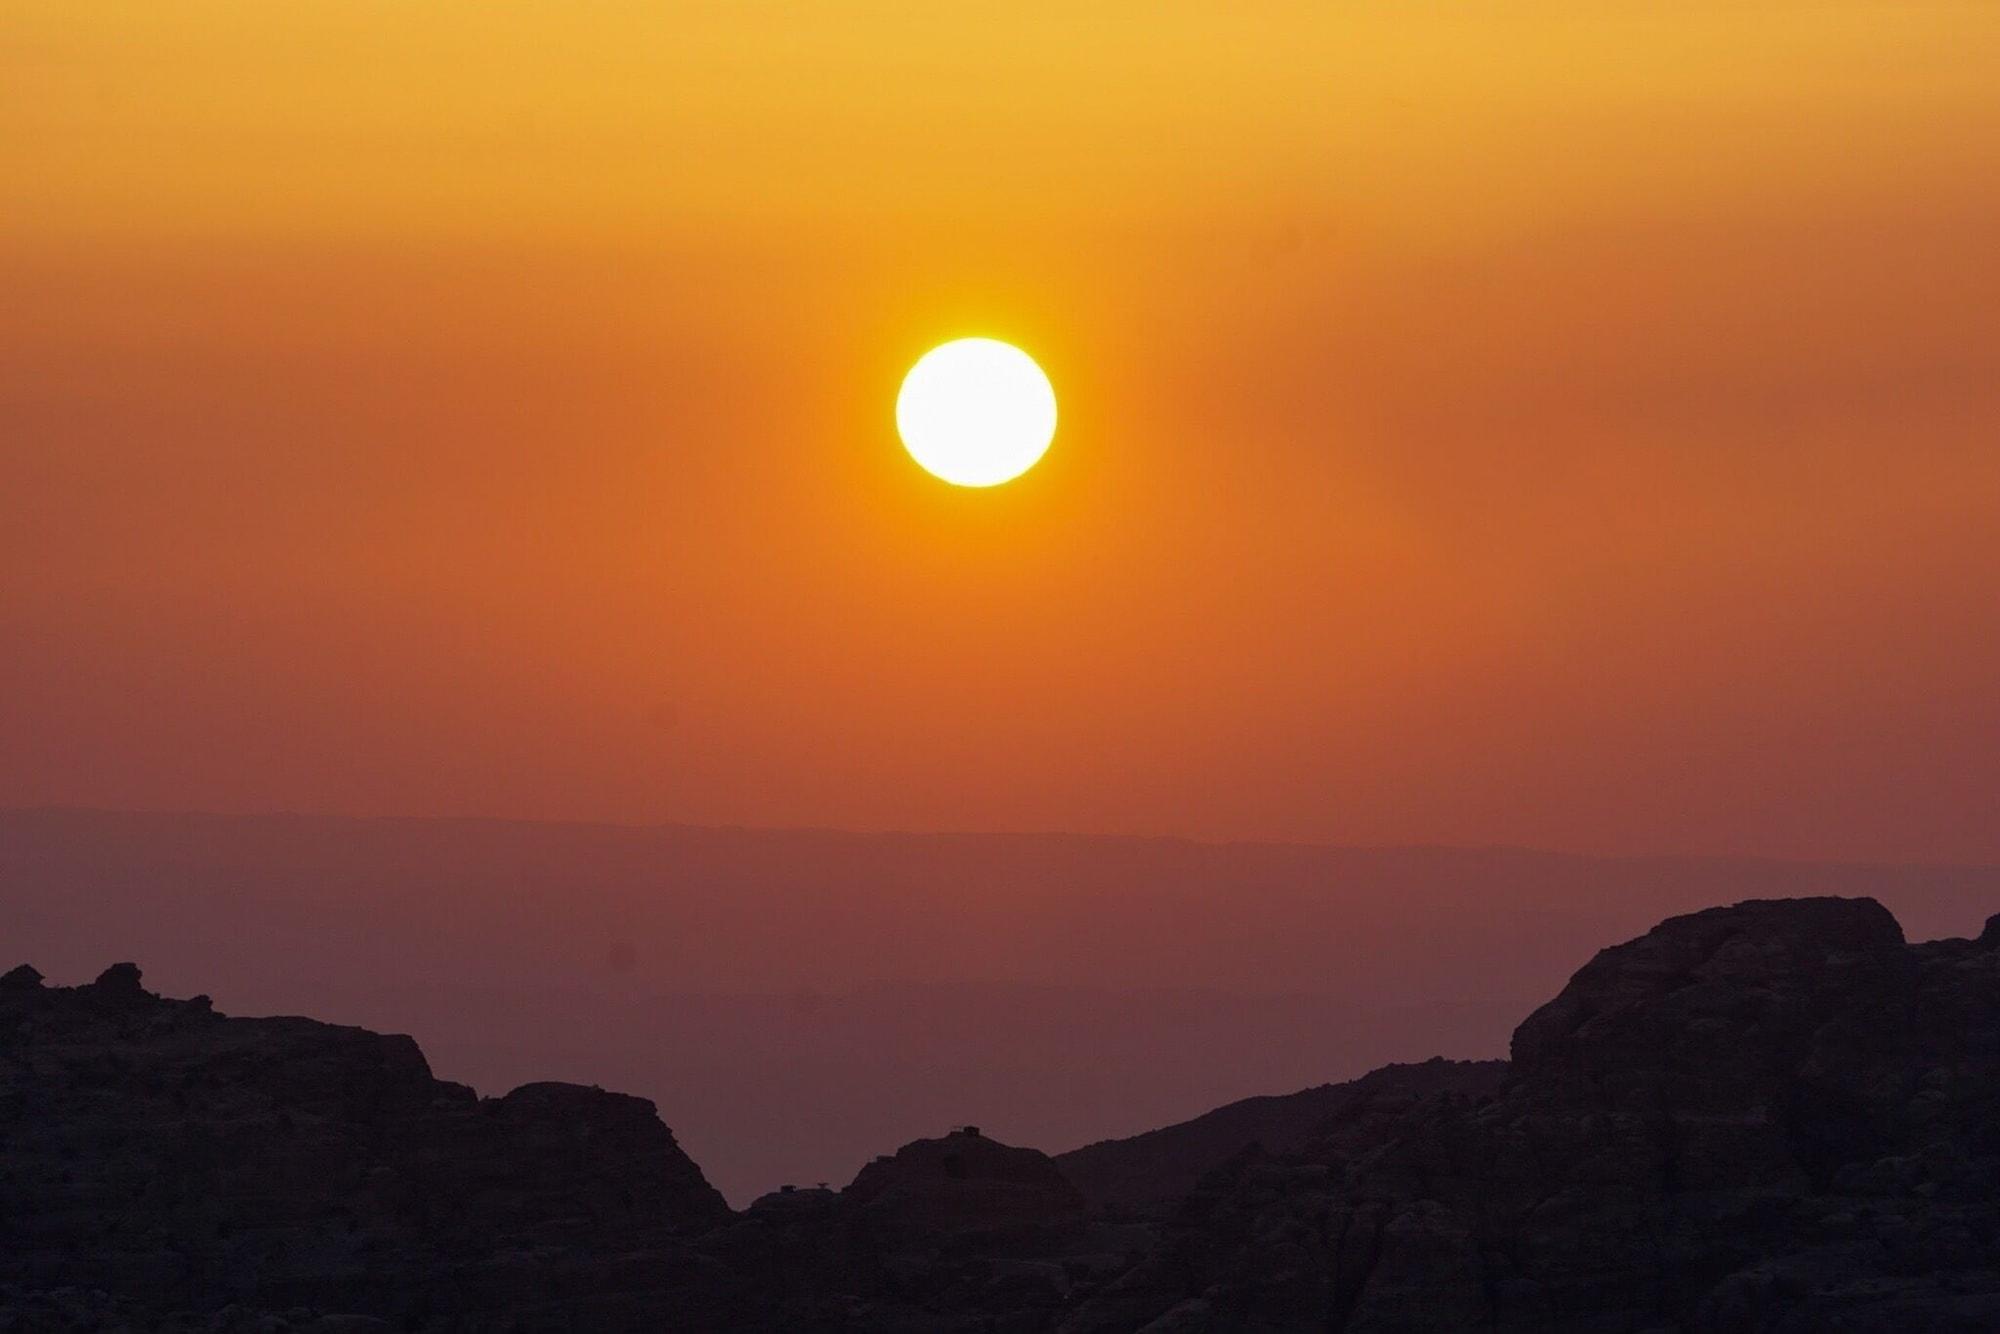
(120, 981)
(964, 1180)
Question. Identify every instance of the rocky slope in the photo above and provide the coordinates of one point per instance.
(1771, 1117)
(1776, 1117)
(1162, 1165)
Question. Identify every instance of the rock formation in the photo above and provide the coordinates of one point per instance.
(964, 1180)
(177, 1159)
(1772, 1117)
(1164, 1165)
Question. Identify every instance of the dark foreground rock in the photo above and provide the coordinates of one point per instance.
(1772, 1117)
(174, 1159)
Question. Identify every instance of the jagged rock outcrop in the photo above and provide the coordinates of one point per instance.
(1770, 1118)
(175, 1158)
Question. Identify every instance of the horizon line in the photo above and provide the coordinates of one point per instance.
(1021, 835)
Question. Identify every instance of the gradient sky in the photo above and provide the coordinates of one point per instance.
(1574, 425)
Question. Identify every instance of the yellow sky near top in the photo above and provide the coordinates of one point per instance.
(612, 121)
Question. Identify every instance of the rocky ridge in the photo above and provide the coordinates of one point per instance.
(1777, 1116)
(1159, 1166)
(180, 1160)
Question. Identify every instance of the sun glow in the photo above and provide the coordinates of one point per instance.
(976, 412)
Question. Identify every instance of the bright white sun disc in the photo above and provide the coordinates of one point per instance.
(976, 412)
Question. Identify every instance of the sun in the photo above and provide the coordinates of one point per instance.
(976, 412)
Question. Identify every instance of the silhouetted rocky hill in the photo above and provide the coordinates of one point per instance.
(1060, 989)
(1166, 1164)
(180, 1159)
(1776, 1117)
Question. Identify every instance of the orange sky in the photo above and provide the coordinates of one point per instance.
(1560, 424)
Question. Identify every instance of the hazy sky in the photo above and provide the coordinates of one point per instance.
(1545, 423)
